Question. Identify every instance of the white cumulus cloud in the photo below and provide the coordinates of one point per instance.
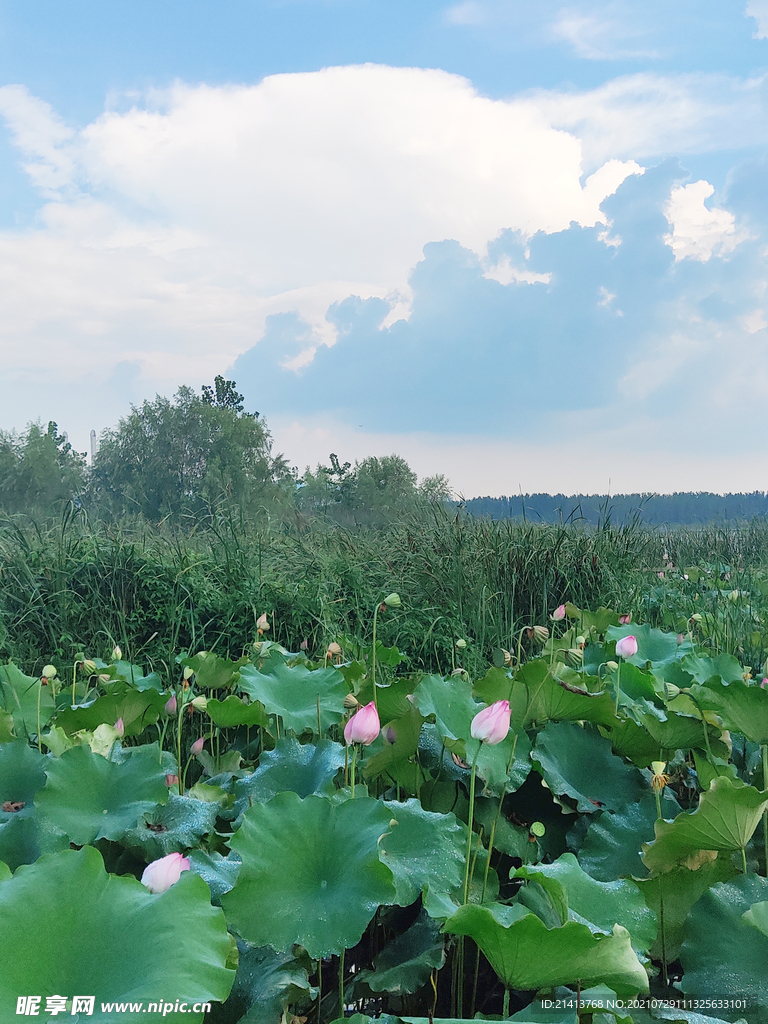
(173, 228)
(699, 232)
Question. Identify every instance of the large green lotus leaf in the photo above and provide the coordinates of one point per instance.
(580, 764)
(70, 928)
(294, 692)
(137, 710)
(392, 699)
(680, 732)
(400, 744)
(423, 848)
(742, 708)
(673, 1016)
(213, 672)
(22, 775)
(21, 696)
(613, 844)
(267, 983)
(727, 815)
(602, 904)
(652, 644)
(723, 955)
(134, 674)
(311, 872)
(291, 767)
(219, 872)
(90, 798)
(451, 702)
(567, 696)
(176, 826)
(633, 742)
(514, 840)
(234, 711)
(405, 964)
(703, 669)
(635, 684)
(493, 761)
(529, 956)
(681, 888)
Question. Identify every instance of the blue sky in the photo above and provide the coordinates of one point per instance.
(524, 245)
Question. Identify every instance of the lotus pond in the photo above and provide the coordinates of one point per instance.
(577, 834)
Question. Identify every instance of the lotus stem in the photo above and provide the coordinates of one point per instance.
(618, 685)
(373, 659)
(505, 1006)
(470, 824)
(341, 984)
(764, 750)
(354, 762)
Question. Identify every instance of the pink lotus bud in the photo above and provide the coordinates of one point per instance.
(680, 638)
(170, 705)
(492, 724)
(120, 728)
(197, 746)
(558, 613)
(625, 619)
(171, 780)
(161, 874)
(363, 726)
(626, 647)
(304, 645)
(764, 684)
(389, 735)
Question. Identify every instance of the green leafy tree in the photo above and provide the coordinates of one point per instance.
(190, 454)
(39, 469)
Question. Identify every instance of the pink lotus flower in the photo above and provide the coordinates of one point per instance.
(170, 705)
(491, 725)
(626, 647)
(558, 613)
(625, 619)
(197, 747)
(363, 726)
(161, 874)
(120, 727)
(171, 780)
(304, 645)
(680, 638)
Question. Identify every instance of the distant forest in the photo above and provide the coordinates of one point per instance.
(684, 507)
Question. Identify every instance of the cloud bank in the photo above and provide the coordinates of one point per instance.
(387, 247)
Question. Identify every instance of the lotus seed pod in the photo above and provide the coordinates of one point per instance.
(671, 691)
(392, 600)
(117, 654)
(334, 649)
(574, 656)
(187, 673)
(611, 665)
(201, 703)
(541, 634)
(461, 645)
(88, 667)
(49, 672)
(351, 701)
(538, 829)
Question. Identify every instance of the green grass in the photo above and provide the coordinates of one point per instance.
(85, 584)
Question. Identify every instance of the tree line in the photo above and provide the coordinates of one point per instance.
(196, 453)
(192, 455)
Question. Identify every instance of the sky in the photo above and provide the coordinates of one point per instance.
(523, 245)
